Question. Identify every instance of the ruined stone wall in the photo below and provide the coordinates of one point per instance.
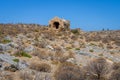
(59, 24)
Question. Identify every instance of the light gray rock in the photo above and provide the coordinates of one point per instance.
(22, 64)
(13, 45)
(76, 44)
(8, 38)
(71, 60)
(4, 47)
(49, 47)
(29, 49)
(9, 59)
(84, 53)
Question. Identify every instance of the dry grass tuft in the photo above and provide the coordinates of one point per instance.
(42, 54)
(34, 75)
(6, 76)
(42, 67)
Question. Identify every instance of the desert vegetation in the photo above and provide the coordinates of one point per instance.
(35, 52)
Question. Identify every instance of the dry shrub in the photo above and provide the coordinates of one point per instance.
(115, 75)
(26, 75)
(68, 71)
(48, 35)
(34, 75)
(6, 75)
(60, 57)
(63, 57)
(74, 37)
(41, 44)
(71, 54)
(116, 66)
(40, 76)
(58, 53)
(58, 49)
(97, 69)
(55, 62)
(42, 67)
(42, 54)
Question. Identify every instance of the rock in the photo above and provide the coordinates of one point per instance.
(76, 44)
(29, 49)
(8, 38)
(72, 60)
(40, 37)
(9, 59)
(4, 47)
(11, 68)
(13, 45)
(22, 64)
(84, 53)
(49, 47)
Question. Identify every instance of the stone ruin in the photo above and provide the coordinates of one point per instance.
(59, 24)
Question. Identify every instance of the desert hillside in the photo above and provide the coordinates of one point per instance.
(35, 52)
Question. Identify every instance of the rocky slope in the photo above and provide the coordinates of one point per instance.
(34, 52)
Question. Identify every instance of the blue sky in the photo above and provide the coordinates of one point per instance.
(85, 14)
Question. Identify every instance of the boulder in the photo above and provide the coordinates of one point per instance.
(10, 60)
(4, 47)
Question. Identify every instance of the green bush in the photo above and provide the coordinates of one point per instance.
(77, 48)
(6, 41)
(16, 60)
(68, 48)
(23, 54)
(101, 54)
(75, 31)
(91, 50)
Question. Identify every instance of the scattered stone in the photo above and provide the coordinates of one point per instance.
(49, 47)
(22, 64)
(13, 45)
(72, 60)
(11, 68)
(29, 49)
(8, 38)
